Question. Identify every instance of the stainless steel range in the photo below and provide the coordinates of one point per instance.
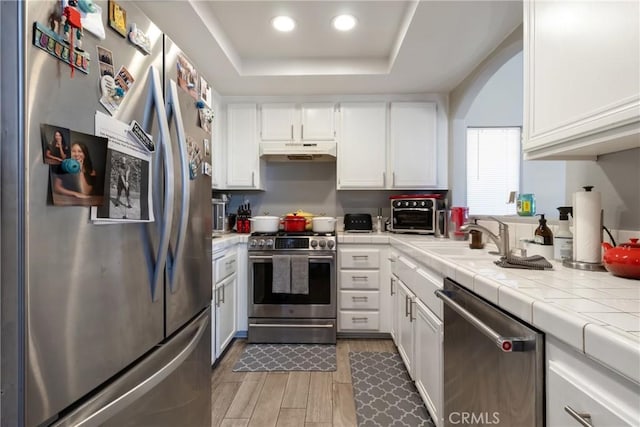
(292, 288)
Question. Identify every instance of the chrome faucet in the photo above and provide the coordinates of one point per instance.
(501, 240)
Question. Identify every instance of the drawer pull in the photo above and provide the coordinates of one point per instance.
(583, 418)
(406, 306)
(393, 281)
(363, 278)
(359, 319)
(365, 299)
(360, 256)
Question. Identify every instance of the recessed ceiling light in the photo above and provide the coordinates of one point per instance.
(344, 22)
(283, 23)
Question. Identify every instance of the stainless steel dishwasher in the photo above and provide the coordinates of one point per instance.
(493, 364)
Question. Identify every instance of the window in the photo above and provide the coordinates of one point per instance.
(493, 169)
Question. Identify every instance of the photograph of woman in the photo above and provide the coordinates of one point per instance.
(86, 186)
(54, 144)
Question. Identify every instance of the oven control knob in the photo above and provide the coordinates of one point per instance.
(405, 203)
(314, 243)
(269, 243)
(414, 204)
(252, 243)
(331, 244)
(423, 203)
(323, 243)
(261, 242)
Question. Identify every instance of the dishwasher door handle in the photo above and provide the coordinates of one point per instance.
(506, 344)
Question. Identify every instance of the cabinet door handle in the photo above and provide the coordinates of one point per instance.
(392, 282)
(301, 132)
(222, 289)
(354, 298)
(253, 179)
(393, 179)
(406, 306)
(411, 304)
(292, 132)
(384, 179)
(218, 297)
(392, 259)
(583, 418)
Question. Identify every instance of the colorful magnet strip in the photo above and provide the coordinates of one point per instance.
(47, 40)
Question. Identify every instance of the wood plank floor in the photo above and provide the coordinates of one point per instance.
(287, 399)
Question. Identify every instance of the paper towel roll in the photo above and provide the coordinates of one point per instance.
(587, 234)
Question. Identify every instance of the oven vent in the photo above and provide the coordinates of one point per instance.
(324, 151)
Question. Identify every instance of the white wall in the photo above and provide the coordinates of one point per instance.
(617, 177)
(492, 95)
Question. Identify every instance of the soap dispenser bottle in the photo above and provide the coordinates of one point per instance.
(543, 234)
(563, 239)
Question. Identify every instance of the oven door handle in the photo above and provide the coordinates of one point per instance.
(312, 257)
(506, 344)
(289, 325)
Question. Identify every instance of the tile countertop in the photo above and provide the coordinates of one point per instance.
(594, 312)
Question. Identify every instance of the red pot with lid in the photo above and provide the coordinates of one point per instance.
(294, 223)
(623, 260)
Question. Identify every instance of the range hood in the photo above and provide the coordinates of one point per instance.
(321, 151)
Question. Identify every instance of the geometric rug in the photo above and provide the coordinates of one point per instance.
(384, 393)
(287, 357)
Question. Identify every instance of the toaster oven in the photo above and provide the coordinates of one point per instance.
(416, 214)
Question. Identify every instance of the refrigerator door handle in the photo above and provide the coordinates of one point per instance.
(155, 99)
(175, 258)
(88, 416)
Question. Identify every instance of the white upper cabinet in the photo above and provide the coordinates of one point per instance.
(362, 150)
(413, 145)
(581, 78)
(289, 122)
(243, 161)
(317, 122)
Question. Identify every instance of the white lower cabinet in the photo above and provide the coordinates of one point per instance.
(428, 367)
(225, 302)
(417, 328)
(405, 334)
(581, 392)
(361, 309)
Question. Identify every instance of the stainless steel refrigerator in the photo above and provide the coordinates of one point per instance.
(101, 324)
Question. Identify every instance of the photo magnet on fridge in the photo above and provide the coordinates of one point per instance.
(55, 144)
(117, 18)
(85, 187)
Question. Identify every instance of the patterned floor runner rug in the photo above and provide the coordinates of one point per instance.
(384, 393)
(287, 357)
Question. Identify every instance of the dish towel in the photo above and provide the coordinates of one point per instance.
(299, 274)
(281, 280)
(535, 262)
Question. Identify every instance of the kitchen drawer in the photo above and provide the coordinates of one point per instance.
(225, 266)
(427, 282)
(362, 300)
(360, 320)
(566, 390)
(359, 258)
(360, 279)
(406, 271)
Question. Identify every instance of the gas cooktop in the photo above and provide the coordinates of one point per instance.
(298, 241)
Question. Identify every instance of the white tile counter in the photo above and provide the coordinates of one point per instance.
(224, 241)
(595, 312)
